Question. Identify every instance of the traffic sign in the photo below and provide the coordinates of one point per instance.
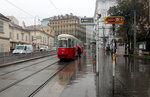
(87, 20)
(113, 19)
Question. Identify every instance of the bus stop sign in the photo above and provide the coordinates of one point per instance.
(113, 19)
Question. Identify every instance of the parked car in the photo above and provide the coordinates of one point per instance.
(19, 49)
(53, 48)
(44, 48)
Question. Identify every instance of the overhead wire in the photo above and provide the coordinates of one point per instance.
(19, 8)
(54, 6)
(51, 2)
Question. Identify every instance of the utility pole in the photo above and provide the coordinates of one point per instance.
(114, 59)
(134, 14)
(97, 44)
(113, 20)
(149, 11)
(103, 37)
(134, 31)
(149, 15)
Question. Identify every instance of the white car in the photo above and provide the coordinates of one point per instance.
(19, 49)
(53, 48)
(44, 48)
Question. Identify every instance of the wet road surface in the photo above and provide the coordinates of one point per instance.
(132, 77)
(77, 80)
(83, 81)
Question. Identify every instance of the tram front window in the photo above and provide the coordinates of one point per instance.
(62, 43)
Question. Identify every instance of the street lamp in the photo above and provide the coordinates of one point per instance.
(97, 43)
(134, 25)
(149, 14)
(34, 38)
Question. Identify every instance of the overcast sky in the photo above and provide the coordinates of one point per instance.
(27, 10)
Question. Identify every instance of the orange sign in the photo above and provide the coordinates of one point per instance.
(113, 19)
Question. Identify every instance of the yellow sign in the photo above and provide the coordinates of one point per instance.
(113, 19)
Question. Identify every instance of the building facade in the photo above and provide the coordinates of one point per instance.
(11, 34)
(67, 24)
(4, 34)
(18, 35)
(40, 38)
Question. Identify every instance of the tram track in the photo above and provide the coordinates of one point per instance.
(24, 67)
(26, 77)
(20, 80)
(46, 82)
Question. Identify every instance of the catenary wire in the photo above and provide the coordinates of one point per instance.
(19, 8)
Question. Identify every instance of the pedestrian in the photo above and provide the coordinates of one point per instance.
(79, 52)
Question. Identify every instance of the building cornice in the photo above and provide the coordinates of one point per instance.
(4, 18)
(5, 38)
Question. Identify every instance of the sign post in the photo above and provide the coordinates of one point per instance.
(87, 21)
(114, 20)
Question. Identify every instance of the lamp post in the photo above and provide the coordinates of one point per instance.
(97, 43)
(34, 38)
(149, 11)
(104, 42)
(149, 15)
(134, 25)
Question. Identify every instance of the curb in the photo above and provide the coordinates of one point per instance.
(21, 61)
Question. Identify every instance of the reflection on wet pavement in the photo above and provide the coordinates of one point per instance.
(133, 77)
(76, 80)
(82, 83)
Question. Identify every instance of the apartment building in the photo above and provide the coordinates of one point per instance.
(18, 35)
(39, 37)
(67, 24)
(11, 34)
(4, 34)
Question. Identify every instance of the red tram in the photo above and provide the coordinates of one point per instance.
(68, 46)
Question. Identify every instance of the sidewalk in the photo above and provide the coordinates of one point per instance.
(83, 80)
(132, 76)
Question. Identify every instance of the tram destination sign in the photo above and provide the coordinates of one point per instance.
(87, 20)
(114, 20)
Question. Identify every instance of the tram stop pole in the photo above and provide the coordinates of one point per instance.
(97, 43)
(97, 50)
(113, 20)
(114, 59)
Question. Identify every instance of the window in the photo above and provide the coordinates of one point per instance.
(62, 43)
(1, 48)
(17, 36)
(43, 39)
(10, 35)
(69, 42)
(1, 26)
(73, 43)
(22, 36)
(19, 47)
(26, 38)
(32, 38)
